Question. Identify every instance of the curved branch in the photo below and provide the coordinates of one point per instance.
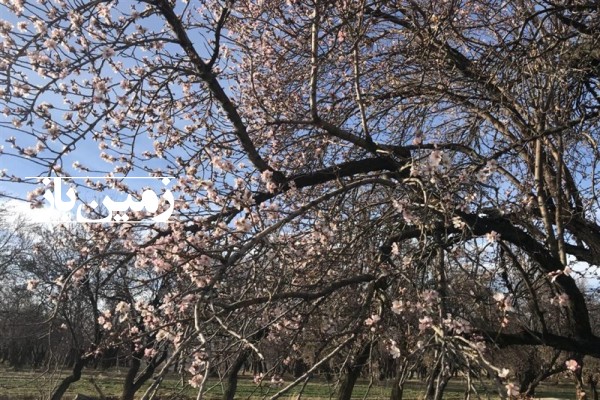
(479, 226)
(205, 73)
(589, 346)
(306, 296)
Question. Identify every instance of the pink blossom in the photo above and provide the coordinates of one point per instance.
(562, 300)
(398, 306)
(511, 390)
(418, 139)
(504, 301)
(196, 381)
(430, 296)
(424, 323)
(40, 26)
(458, 223)
(372, 320)
(162, 335)
(149, 353)
(435, 158)
(107, 52)
(393, 349)
(555, 274)
(267, 177)
(572, 365)
(277, 381)
(258, 378)
(122, 308)
(492, 236)
(50, 43)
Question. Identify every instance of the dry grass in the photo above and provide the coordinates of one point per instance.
(33, 385)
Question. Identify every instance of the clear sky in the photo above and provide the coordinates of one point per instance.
(15, 167)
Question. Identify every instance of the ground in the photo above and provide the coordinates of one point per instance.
(22, 385)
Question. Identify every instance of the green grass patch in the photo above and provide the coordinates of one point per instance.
(30, 385)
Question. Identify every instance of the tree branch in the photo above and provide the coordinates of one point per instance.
(306, 296)
(589, 346)
(206, 74)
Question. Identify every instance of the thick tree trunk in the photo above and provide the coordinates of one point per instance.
(401, 376)
(67, 381)
(232, 376)
(437, 381)
(353, 372)
(594, 390)
(398, 388)
(430, 383)
(527, 383)
(128, 386)
(240, 361)
(435, 391)
(131, 384)
(580, 393)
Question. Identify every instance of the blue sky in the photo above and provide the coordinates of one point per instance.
(86, 151)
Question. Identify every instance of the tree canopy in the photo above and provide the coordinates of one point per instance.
(417, 175)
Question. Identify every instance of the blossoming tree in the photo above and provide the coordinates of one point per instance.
(418, 175)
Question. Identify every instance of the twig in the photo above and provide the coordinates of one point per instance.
(307, 373)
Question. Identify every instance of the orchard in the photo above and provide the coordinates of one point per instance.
(381, 188)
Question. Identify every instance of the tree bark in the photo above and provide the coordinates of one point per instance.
(580, 393)
(232, 376)
(592, 380)
(131, 384)
(398, 387)
(353, 372)
(128, 384)
(67, 381)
